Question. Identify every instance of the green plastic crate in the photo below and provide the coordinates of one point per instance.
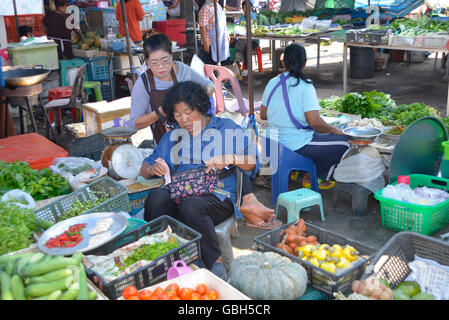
(403, 216)
(313, 294)
(115, 193)
(42, 54)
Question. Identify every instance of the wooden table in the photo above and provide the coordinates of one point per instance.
(392, 47)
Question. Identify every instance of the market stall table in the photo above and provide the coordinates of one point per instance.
(390, 47)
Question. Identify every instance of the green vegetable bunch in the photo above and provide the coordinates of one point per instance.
(16, 227)
(42, 184)
(79, 207)
(150, 251)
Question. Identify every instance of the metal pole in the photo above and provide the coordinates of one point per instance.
(345, 68)
(16, 20)
(249, 60)
(216, 33)
(128, 39)
(194, 27)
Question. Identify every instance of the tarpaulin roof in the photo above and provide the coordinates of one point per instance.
(393, 8)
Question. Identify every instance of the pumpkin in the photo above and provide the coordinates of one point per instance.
(268, 276)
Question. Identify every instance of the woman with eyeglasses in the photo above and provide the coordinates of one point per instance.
(150, 89)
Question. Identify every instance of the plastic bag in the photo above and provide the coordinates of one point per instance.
(78, 169)
(323, 25)
(24, 199)
(308, 23)
(421, 195)
(198, 65)
(363, 167)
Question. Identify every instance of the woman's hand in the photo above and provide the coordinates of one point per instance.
(159, 168)
(219, 162)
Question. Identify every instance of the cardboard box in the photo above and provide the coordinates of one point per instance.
(102, 115)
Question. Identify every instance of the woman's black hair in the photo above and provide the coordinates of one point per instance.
(157, 42)
(60, 3)
(189, 92)
(25, 31)
(294, 59)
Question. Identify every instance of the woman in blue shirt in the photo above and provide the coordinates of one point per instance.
(206, 140)
(291, 106)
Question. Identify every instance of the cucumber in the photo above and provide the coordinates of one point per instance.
(47, 258)
(92, 295)
(7, 257)
(51, 276)
(52, 296)
(21, 263)
(17, 288)
(47, 266)
(43, 224)
(37, 257)
(45, 288)
(71, 293)
(83, 295)
(9, 265)
(5, 280)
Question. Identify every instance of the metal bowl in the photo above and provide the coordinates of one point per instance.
(362, 133)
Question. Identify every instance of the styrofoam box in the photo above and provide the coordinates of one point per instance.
(399, 40)
(121, 64)
(192, 279)
(435, 40)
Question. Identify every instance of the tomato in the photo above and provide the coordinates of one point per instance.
(212, 294)
(129, 291)
(158, 291)
(201, 288)
(133, 298)
(153, 297)
(144, 294)
(173, 287)
(163, 296)
(185, 293)
(196, 296)
(171, 293)
(175, 298)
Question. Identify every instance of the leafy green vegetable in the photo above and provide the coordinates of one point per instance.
(16, 227)
(79, 207)
(42, 184)
(150, 251)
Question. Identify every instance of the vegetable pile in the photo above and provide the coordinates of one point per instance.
(37, 276)
(172, 292)
(417, 27)
(79, 207)
(42, 184)
(68, 239)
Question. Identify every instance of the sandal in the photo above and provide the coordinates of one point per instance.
(265, 224)
(263, 181)
(322, 185)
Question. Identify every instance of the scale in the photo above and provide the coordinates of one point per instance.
(122, 159)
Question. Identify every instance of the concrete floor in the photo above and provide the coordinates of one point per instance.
(418, 82)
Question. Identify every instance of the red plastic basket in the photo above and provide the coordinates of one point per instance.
(32, 20)
(175, 29)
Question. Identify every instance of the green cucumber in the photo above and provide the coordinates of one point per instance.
(83, 295)
(71, 293)
(17, 288)
(21, 263)
(43, 224)
(92, 295)
(47, 258)
(51, 276)
(37, 257)
(7, 257)
(52, 296)
(48, 266)
(9, 265)
(5, 280)
(45, 288)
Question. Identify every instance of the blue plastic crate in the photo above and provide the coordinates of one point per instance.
(98, 68)
(107, 92)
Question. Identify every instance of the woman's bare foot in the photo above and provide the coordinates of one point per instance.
(252, 207)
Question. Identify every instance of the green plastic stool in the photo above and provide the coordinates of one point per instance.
(88, 85)
(299, 199)
(96, 86)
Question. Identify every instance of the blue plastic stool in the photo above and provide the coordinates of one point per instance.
(299, 199)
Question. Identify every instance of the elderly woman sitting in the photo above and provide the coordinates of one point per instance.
(203, 140)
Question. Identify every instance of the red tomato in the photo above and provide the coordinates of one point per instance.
(129, 291)
(163, 296)
(212, 294)
(196, 296)
(158, 291)
(173, 287)
(185, 293)
(154, 297)
(144, 294)
(133, 298)
(201, 288)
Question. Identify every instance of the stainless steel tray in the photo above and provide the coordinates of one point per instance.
(362, 133)
(89, 242)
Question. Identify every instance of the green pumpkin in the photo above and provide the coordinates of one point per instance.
(268, 276)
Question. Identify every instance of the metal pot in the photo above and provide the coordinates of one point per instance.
(24, 77)
(364, 135)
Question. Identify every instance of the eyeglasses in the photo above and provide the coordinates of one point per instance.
(162, 61)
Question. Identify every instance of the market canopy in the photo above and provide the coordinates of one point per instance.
(392, 8)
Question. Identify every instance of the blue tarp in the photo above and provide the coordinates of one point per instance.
(393, 8)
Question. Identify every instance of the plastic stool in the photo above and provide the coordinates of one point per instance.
(59, 93)
(299, 199)
(224, 230)
(96, 86)
(258, 52)
(359, 196)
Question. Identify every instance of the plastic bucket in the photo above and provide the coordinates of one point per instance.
(445, 145)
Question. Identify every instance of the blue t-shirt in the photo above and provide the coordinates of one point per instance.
(193, 152)
(303, 98)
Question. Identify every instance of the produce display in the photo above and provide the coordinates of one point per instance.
(42, 184)
(172, 292)
(410, 290)
(79, 207)
(68, 239)
(417, 27)
(268, 276)
(89, 41)
(37, 276)
(397, 130)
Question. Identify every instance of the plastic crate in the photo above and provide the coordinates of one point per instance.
(32, 20)
(98, 68)
(108, 92)
(394, 40)
(154, 272)
(403, 216)
(66, 64)
(312, 294)
(435, 40)
(115, 193)
(391, 261)
(318, 278)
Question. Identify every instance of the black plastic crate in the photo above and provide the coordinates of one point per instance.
(318, 278)
(157, 270)
(391, 261)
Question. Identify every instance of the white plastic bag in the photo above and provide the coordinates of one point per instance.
(308, 23)
(323, 25)
(78, 169)
(21, 196)
(198, 65)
